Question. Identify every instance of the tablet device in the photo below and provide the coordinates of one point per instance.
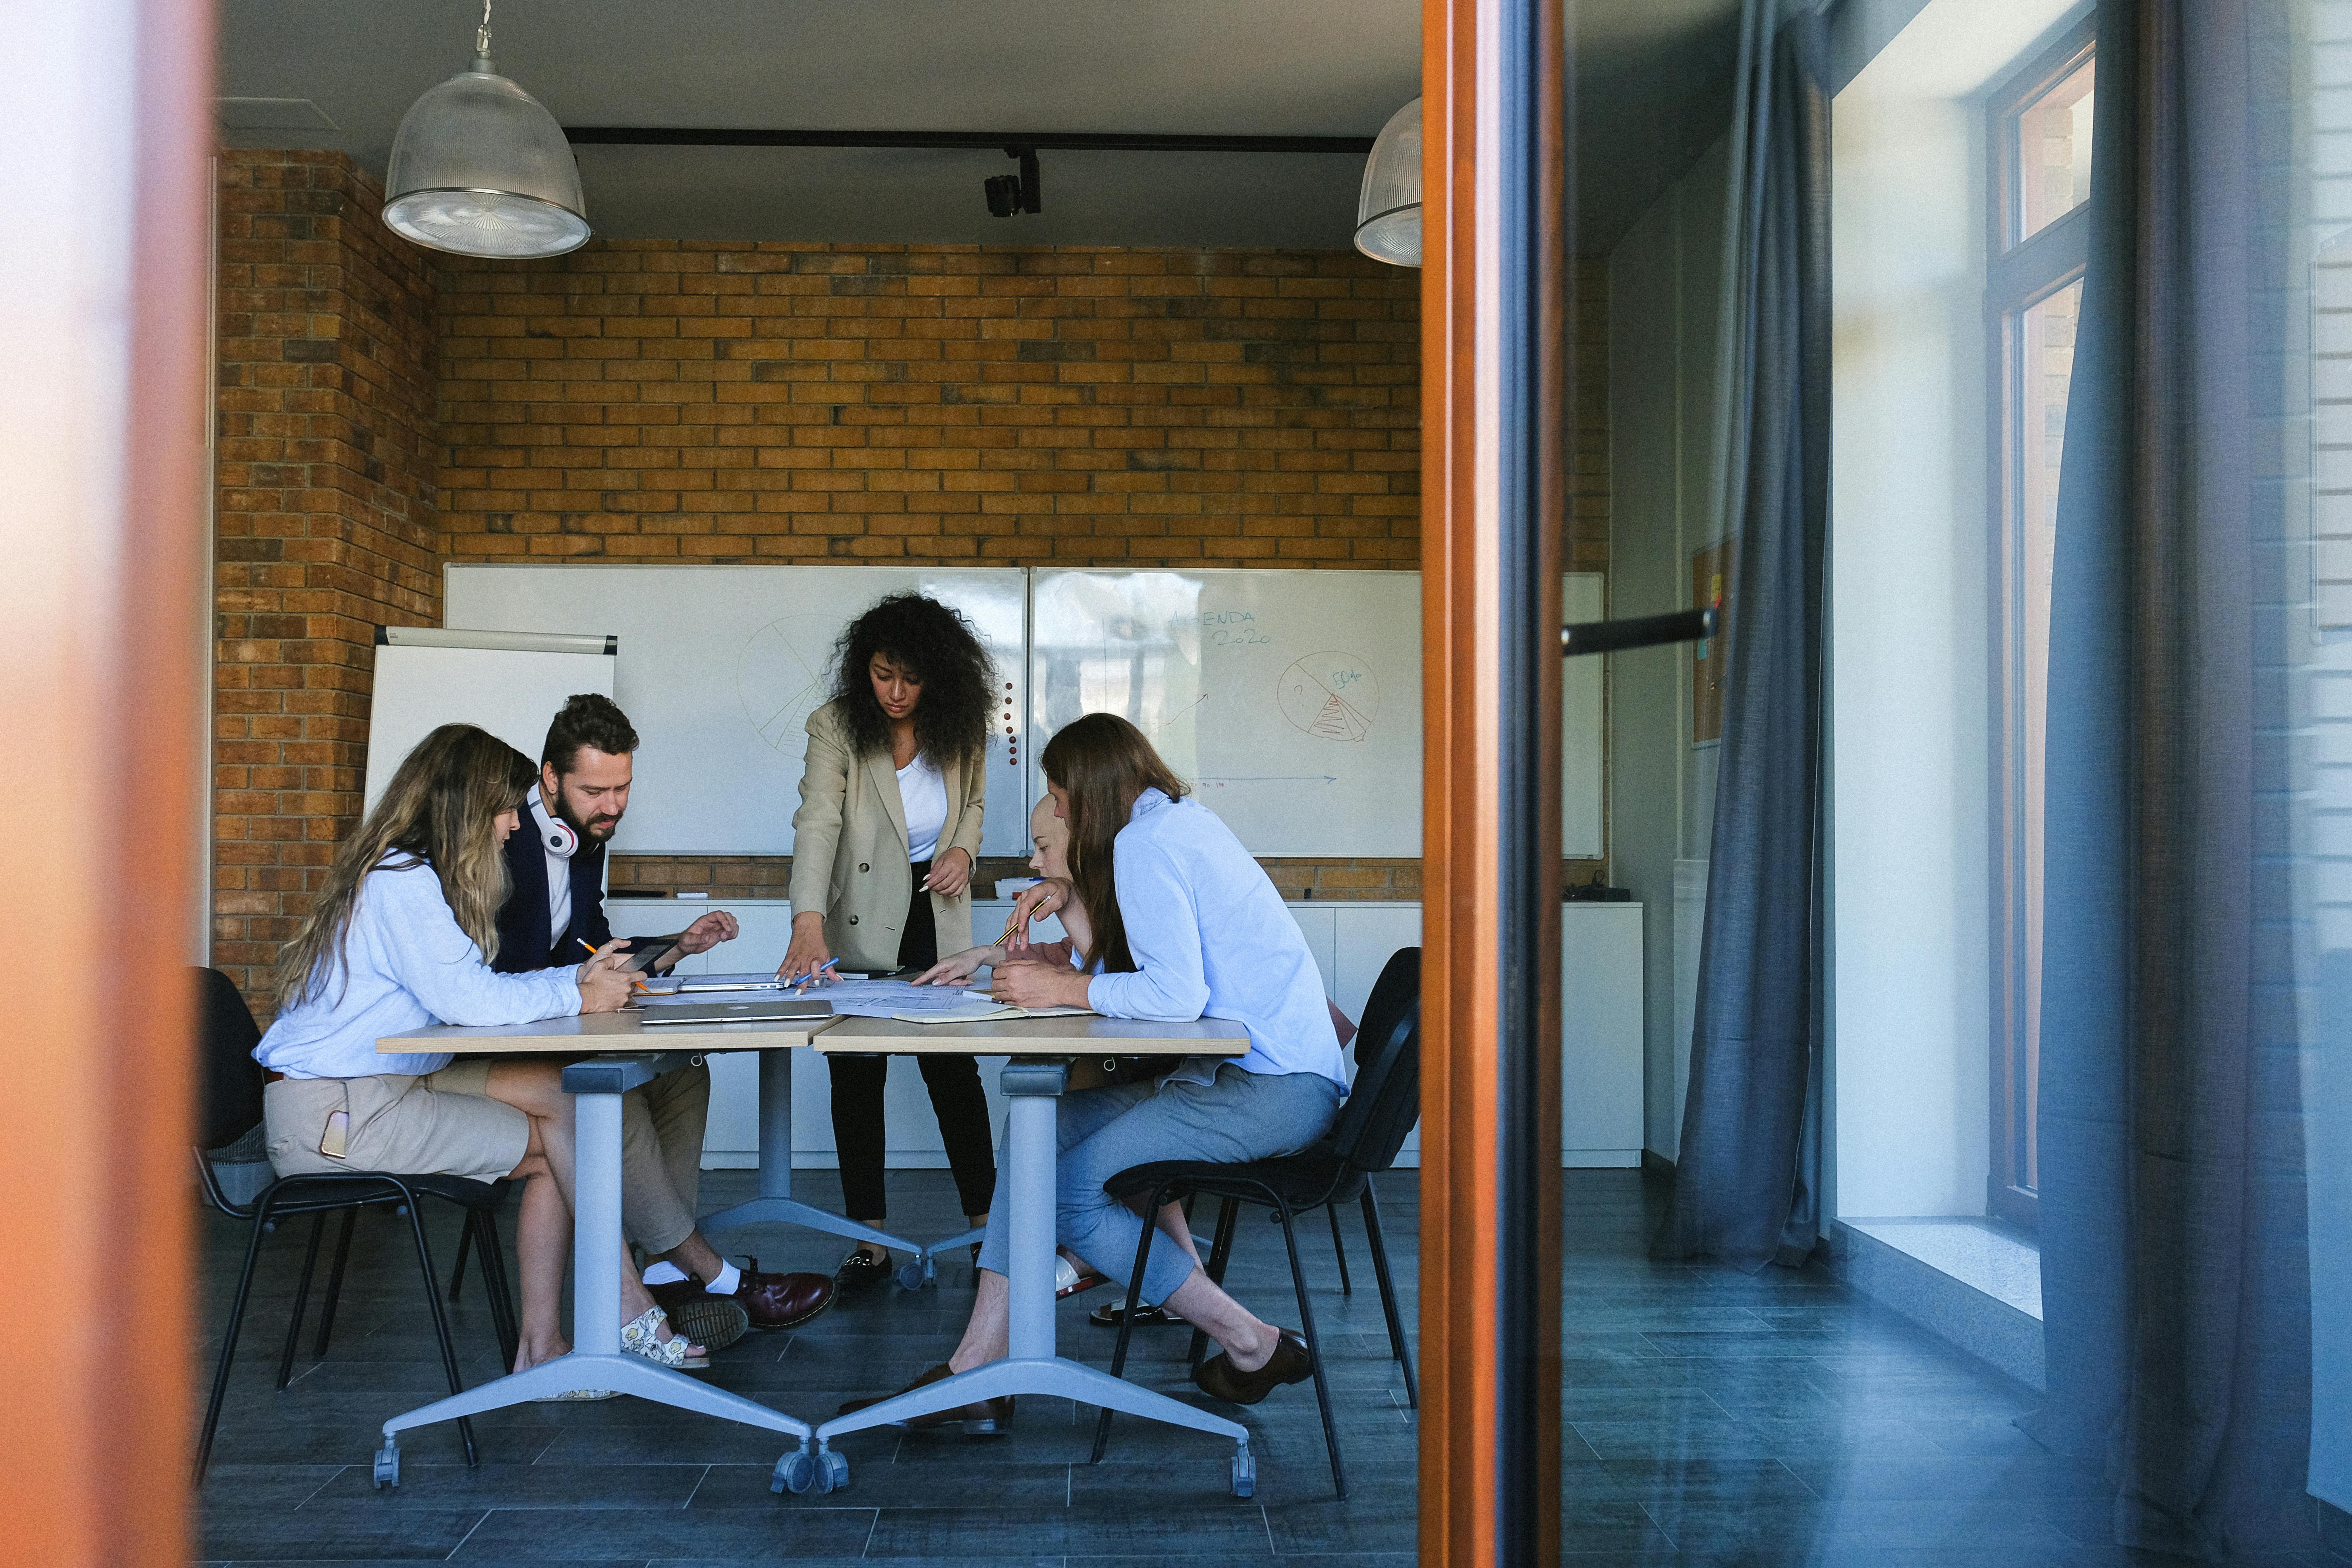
(645, 951)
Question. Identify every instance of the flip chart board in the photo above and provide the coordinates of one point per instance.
(510, 693)
(720, 668)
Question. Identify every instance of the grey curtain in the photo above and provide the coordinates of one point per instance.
(2173, 1258)
(1746, 1179)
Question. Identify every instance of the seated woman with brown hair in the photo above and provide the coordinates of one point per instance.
(401, 937)
(1146, 862)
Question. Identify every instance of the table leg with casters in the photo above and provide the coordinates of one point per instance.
(776, 1205)
(596, 1360)
(1032, 1365)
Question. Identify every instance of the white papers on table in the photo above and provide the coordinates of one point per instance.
(906, 1002)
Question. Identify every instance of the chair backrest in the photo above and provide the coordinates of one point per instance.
(232, 1149)
(228, 1080)
(1385, 1100)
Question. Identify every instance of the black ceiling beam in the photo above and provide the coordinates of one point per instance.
(992, 140)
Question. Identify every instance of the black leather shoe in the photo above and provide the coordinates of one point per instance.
(716, 1322)
(982, 1418)
(1219, 1378)
(861, 1270)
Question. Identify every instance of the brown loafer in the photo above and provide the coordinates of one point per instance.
(985, 1418)
(1219, 1378)
(782, 1301)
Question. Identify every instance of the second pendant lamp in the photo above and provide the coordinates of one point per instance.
(479, 167)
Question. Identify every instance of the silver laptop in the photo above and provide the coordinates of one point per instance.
(781, 1008)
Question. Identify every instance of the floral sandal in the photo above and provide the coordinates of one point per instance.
(642, 1337)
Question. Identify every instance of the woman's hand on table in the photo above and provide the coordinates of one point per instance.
(604, 983)
(950, 874)
(960, 969)
(808, 953)
(1038, 985)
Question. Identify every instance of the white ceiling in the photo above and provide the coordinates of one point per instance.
(1651, 89)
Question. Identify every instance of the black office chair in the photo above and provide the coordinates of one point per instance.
(1380, 1111)
(233, 1162)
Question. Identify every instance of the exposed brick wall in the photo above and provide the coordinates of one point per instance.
(681, 401)
(327, 518)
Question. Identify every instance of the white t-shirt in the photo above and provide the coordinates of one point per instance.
(558, 873)
(924, 794)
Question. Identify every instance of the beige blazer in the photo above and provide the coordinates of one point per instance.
(849, 847)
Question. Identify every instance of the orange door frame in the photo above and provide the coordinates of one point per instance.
(1494, 336)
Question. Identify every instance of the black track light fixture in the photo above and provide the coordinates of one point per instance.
(1021, 193)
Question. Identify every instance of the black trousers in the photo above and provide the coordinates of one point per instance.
(956, 1098)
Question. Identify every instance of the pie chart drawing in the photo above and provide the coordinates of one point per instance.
(1332, 695)
(778, 687)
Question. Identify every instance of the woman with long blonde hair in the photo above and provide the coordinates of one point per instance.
(401, 937)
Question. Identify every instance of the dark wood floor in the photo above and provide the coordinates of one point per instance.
(1711, 1419)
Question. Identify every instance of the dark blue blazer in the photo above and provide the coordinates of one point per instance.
(522, 919)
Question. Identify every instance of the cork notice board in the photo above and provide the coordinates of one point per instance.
(1711, 574)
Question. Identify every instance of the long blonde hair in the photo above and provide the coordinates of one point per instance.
(440, 811)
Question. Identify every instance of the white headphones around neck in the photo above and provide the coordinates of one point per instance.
(554, 833)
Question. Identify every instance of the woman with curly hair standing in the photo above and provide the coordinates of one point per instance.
(882, 857)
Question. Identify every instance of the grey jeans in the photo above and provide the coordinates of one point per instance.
(1241, 1116)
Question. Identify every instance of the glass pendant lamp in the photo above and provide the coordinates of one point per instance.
(1388, 212)
(479, 167)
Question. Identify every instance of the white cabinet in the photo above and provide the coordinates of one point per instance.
(1600, 1043)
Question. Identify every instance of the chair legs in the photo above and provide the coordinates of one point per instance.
(1314, 1350)
(1338, 1248)
(483, 1225)
(228, 1342)
(1397, 1347)
(301, 1301)
(1219, 1254)
(440, 1319)
(1127, 1318)
(458, 1269)
(334, 1284)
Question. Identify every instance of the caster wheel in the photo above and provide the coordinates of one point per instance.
(832, 1472)
(795, 1473)
(387, 1467)
(1245, 1474)
(910, 1277)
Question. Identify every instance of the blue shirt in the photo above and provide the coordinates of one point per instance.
(1212, 940)
(406, 964)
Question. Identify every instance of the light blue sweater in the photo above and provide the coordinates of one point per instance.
(407, 965)
(1210, 940)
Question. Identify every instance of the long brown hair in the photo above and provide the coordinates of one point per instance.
(440, 812)
(1104, 762)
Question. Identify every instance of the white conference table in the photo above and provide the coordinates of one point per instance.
(620, 1054)
(1040, 1049)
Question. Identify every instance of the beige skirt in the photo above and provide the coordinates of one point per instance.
(442, 1124)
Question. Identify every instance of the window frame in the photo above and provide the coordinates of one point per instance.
(2019, 274)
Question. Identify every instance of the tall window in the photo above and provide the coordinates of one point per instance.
(2039, 137)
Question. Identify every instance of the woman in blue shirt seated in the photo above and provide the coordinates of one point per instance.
(401, 938)
(1146, 863)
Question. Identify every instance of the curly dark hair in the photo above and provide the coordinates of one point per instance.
(936, 643)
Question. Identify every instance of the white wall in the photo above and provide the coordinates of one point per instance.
(1910, 579)
(1662, 282)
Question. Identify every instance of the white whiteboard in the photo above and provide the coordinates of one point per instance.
(512, 695)
(719, 667)
(1291, 699)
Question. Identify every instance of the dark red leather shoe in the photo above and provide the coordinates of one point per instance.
(782, 1301)
(982, 1418)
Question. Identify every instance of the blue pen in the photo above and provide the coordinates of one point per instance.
(810, 979)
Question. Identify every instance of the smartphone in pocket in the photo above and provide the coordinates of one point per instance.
(335, 1141)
